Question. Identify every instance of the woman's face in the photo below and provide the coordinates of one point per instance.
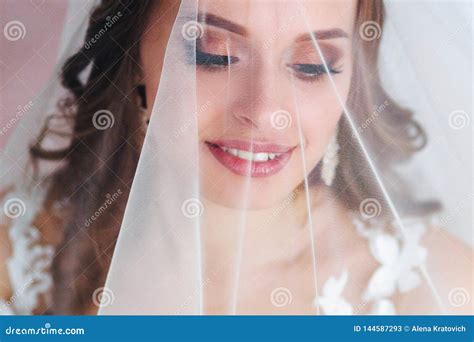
(267, 106)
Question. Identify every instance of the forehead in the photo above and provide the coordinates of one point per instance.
(261, 17)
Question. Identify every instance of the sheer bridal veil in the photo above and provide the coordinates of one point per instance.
(268, 184)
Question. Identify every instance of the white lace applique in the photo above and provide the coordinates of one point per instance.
(29, 264)
(331, 302)
(400, 256)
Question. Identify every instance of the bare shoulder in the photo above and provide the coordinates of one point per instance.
(448, 284)
(454, 260)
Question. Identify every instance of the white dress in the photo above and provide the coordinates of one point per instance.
(398, 257)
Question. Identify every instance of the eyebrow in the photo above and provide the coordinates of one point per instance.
(214, 20)
(217, 21)
(323, 35)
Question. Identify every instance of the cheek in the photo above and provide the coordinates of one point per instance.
(209, 110)
(320, 116)
(214, 96)
(318, 127)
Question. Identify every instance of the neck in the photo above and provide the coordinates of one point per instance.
(226, 230)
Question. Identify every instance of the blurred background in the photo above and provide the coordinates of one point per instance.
(31, 33)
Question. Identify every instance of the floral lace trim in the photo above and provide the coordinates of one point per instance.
(30, 262)
(399, 254)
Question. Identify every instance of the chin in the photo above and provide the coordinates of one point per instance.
(248, 199)
(227, 188)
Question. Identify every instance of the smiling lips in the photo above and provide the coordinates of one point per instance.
(250, 159)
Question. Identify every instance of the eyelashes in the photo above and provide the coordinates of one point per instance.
(215, 62)
(212, 61)
(312, 72)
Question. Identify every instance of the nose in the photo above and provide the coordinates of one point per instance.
(258, 113)
(261, 96)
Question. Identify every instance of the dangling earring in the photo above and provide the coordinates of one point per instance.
(330, 161)
(142, 101)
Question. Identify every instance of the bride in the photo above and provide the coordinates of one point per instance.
(228, 157)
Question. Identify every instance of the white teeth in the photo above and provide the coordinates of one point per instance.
(245, 155)
(250, 156)
(261, 156)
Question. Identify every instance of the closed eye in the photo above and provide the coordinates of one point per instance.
(214, 61)
(311, 72)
